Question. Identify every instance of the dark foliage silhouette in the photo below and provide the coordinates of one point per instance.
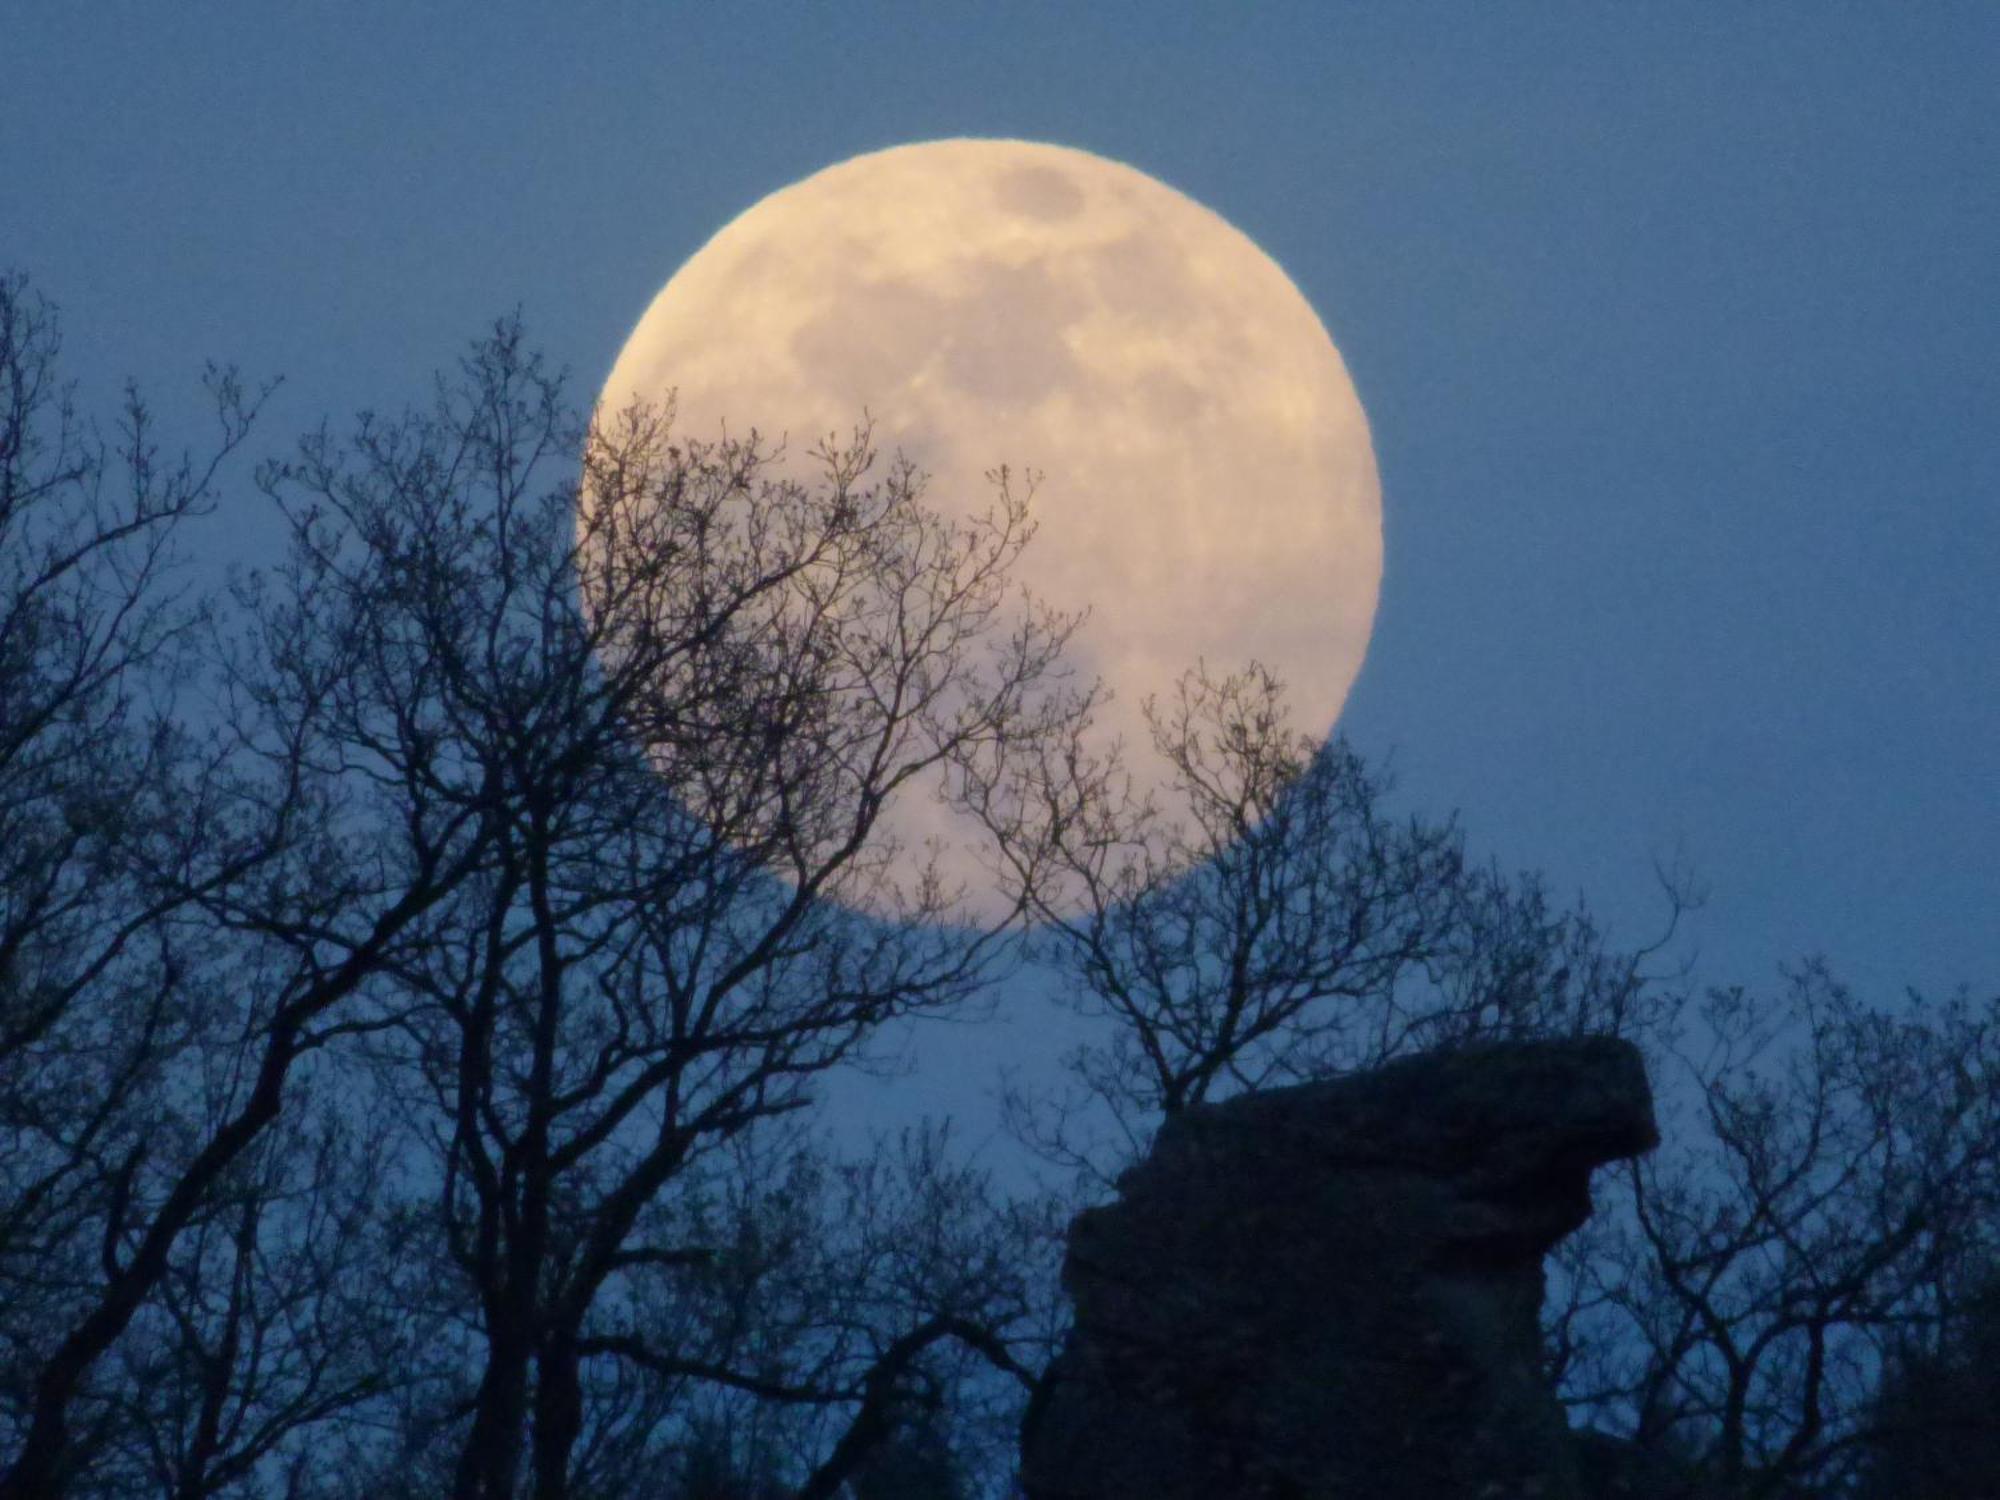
(1830, 1177)
(1936, 1419)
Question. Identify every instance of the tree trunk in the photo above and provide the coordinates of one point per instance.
(491, 1456)
(558, 1415)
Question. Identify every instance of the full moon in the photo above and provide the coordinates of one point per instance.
(1208, 490)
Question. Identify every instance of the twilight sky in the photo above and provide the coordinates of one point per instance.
(1678, 328)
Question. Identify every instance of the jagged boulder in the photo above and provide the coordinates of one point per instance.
(1332, 1290)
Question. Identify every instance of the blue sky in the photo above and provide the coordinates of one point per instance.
(1678, 326)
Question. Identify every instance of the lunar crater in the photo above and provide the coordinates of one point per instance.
(1039, 193)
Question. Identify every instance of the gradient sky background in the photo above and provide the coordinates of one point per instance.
(1678, 326)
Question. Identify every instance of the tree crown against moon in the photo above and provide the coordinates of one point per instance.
(1206, 489)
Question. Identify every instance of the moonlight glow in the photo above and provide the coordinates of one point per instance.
(1208, 491)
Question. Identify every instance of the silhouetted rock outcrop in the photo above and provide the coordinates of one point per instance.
(1332, 1290)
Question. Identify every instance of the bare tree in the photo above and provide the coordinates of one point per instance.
(818, 1319)
(542, 807)
(1831, 1176)
(845, 1306)
(288, 1311)
(106, 1000)
(1267, 919)
(673, 701)
(1932, 1427)
(90, 628)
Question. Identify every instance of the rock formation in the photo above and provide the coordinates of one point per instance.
(1332, 1290)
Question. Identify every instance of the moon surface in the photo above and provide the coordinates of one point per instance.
(1208, 491)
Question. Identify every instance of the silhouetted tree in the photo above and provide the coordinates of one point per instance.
(917, 1464)
(1267, 919)
(720, 1463)
(287, 1311)
(1830, 1173)
(540, 808)
(1935, 1422)
(820, 1310)
(113, 1006)
(673, 704)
